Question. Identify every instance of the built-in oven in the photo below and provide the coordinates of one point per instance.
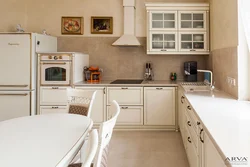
(55, 69)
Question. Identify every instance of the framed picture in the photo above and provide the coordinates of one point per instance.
(101, 25)
(72, 25)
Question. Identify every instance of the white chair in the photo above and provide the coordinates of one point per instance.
(91, 148)
(105, 134)
(80, 101)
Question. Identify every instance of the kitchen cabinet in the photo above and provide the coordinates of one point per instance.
(125, 95)
(53, 95)
(98, 114)
(177, 28)
(191, 151)
(53, 109)
(159, 105)
(129, 115)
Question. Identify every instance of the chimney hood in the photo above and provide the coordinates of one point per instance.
(128, 38)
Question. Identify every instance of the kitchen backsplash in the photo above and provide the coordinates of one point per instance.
(127, 62)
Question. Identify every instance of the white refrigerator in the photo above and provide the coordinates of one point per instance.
(18, 71)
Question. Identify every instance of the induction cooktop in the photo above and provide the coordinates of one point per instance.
(127, 81)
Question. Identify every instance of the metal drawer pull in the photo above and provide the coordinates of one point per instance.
(54, 107)
(124, 107)
(198, 123)
(124, 88)
(55, 88)
(188, 107)
(9, 94)
(14, 85)
(189, 140)
(54, 63)
(188, 122)
(163, 49)
(200, 136)
(192, 50)
(182, 97)
(11, 44)
(159, 88)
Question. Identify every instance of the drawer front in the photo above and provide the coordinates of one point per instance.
(129, 115)
(191, 151)
(53, 96)
(125, 95)
(191, 130)
(194, 120)
(53, 109)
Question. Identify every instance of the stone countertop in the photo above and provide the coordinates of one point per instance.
(227, 121)
(144, 83)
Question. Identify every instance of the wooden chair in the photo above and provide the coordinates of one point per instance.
(91, 148)
(80, 101)
(105, 134)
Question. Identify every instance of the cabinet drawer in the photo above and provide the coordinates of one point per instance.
(125, 95)
(193, 118)
(191, 151)
(191, 130)
(129, 115)
(53, 95)
(53, 109)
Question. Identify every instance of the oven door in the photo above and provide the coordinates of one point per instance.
(55, 73)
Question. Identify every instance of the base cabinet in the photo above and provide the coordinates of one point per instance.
(159, 105)
(98, 114)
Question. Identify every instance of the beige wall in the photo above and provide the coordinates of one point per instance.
(12, 12)
(46, 14)
(223, 23)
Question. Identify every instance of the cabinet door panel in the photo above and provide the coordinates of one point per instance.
(53, 109)
(163, 20)
(192, 41)
(159, 106)
(191, 151)
(53, 95)
(192, 20)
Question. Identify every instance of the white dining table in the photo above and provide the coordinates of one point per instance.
(50, 140)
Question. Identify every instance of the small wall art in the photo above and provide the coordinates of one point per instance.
(101, 25)
(72, 25)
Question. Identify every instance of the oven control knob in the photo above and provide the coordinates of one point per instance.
(60, 57)
(55, 57)
(50, 57)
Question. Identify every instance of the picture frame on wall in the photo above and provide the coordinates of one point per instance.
(101, 25)
(72, 25)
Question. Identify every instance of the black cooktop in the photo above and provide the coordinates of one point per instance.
(127, 81)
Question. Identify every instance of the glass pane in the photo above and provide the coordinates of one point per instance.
(198, 24)
(169, 24)
(157, 45)
(157, 16)
(169, 37)
(169, 45)
(186, 24)
(169, 16)
(198, 45)
(186, 45)
(157, 37)
(186, 37)
(186, 16)
(55, 74)
(198, 37)
(198, 16)
(157, 24)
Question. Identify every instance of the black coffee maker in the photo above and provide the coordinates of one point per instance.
(190, 71)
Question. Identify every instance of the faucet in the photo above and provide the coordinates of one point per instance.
(211, 77)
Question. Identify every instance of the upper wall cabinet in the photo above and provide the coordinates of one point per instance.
(178, 28)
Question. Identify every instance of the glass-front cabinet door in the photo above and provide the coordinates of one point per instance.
(166, 20)
(163, 41)
(195, 20)
(192, 41)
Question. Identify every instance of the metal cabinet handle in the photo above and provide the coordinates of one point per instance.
(188, 107)
(124, 107)
(192, 50)
(188, 122)
(182, 97)
(198, 123)
(54, 107)
(10, 94)
(14, 86)
(189, 140)
(55, 88)
(200, 136)
(159, 88)
(163, 50)
(11, 44)
(124, 88)
(104, 90)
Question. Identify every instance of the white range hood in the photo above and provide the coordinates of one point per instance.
(128, 38)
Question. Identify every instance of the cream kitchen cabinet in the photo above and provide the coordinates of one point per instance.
(193, 41)
(125, 95)
(98, 114)
(129, 115)
(159, 106)
(163, 20)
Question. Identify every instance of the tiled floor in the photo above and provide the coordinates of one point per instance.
(146, 149)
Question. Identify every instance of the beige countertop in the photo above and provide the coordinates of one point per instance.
(226, 119)
(144, 83)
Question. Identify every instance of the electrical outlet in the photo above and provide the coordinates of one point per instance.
(231, 81)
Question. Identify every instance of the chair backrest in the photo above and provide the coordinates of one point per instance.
(80, 101)
(105, 134)
(92, 145)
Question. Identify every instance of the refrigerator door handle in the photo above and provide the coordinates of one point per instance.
(13, 94)
(15, 86)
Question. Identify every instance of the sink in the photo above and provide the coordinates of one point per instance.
(195, 87)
